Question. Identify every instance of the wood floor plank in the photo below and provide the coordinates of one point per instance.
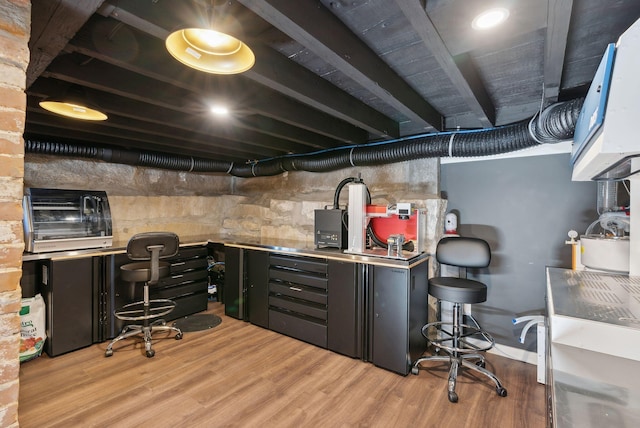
(241, 375)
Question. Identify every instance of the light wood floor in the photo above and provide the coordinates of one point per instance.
(240, 375)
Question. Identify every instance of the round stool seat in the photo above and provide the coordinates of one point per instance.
(457, 290)
(141, 271)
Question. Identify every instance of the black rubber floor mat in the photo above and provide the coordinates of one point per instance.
(197, 322)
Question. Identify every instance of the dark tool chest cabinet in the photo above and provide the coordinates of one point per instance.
(186, 285)
(82, 291)
(371, 311)
(298, 298)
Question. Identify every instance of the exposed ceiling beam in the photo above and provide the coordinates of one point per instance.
(272, 71)
(275, 71)
(147, 64)
(316, 28)
(179, 123)
(124, 132)
(125, 127)
(55, 24)
(558, 21)
(279, 107)
(460, 71)
(114, 80)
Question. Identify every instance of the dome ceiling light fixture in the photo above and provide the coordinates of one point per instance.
(490, 18)
(73, 104)
(211, 46)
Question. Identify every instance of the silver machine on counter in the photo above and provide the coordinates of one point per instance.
(63, 220)
(606, 149)
(396, 230)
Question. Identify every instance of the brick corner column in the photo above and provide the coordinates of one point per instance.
(15, 25)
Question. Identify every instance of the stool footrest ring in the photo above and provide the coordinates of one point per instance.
(139, 311)
(483, 341)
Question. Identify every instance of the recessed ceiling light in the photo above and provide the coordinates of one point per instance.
(490, 18)
(219, 110)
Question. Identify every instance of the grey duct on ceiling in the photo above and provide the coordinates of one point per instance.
(554, 124)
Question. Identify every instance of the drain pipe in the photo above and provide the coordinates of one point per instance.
(554, 124)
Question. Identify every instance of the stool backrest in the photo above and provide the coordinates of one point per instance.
(139, 246)
(463, 252)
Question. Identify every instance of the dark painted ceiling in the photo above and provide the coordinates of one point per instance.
(328, 73)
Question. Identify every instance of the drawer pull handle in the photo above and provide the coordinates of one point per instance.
(179, 263)
(295, 289)
(177, 276)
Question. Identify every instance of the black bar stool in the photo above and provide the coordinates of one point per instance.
(461, 342)
(147, 249)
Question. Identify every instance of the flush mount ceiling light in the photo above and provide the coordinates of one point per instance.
(210, 51)
(490, 18)
(219, 110)
(74, 104)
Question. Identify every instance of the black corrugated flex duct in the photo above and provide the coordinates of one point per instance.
(554, 124)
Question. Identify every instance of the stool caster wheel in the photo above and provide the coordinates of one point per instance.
(178, 336)
(453, 397)
(501, 392)
(108, 352)
(151, 353)
(415, 370)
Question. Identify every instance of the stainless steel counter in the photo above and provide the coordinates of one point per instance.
(116, 248)
(302, 248)
(283, 246)
(594, 349)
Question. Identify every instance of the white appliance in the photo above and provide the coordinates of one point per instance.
(606, 134)
(606, 144)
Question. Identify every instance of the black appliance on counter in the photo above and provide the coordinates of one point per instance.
(330, 227)
(62, 220)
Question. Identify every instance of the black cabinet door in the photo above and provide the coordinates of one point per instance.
(68, 288)
(345, 315)
(30, 280)
(418, 309)
(234, 282)
(257, 269)
(389, 317)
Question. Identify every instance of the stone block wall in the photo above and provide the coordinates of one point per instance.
(190, 204)
(15, 25)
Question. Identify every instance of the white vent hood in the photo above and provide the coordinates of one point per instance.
(607, 134)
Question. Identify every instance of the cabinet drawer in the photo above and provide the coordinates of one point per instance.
(312, 310)
(297, 277)
(188, 305)
(185, 265)
(302, 329)
(190, 252)
(300, 263)
(299, 292)
(182, 289)
(174, 279)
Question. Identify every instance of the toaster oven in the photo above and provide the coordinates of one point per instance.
(62, 220)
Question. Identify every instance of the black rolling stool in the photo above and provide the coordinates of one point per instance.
(453, 337)
(148, 249)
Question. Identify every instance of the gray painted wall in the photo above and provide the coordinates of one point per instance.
(524, 208)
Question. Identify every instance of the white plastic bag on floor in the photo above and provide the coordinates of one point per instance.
(32, 327)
